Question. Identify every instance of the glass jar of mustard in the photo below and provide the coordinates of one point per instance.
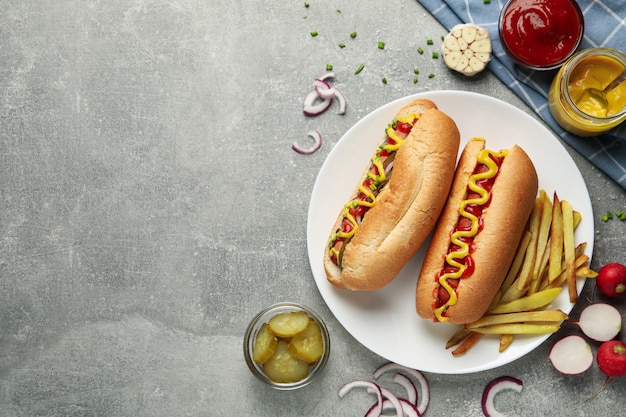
(578, 109)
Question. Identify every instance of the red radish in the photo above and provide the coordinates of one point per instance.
(611, 279)
(612, 358)
(571, 355)
(600, 322)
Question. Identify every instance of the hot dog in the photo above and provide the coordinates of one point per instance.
(397, 201)
(476, 237)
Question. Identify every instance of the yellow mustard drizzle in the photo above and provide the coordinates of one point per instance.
(484, 157)
(370, 193)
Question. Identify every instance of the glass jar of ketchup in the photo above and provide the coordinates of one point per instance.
(541, 34)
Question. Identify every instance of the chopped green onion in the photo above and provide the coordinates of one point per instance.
(384, 80)
(338, 10)
(414, 80)
(342, 45)
(429, 42)
(621, 215)
(381, 45)
(306, 4)
(353, 35)
(329, 67)
(416, 71)
(359, 69)
(431, 75)
(607, 216)
(314, 33)
(420, 50)
(435, 55)
(442, 37)
(486, 1)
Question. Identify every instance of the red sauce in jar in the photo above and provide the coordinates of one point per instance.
(541, 33)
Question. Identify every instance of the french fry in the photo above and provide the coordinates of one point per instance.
(543, 234)
(518, 287)
(461, 334)
(577, 218)
(467, 344)
(569, 250)
(521, 317)
(561, 279)
(505, 342)
(519, 328)
(586, 272)
(556, 240)
(529, 302)
(543, 272)
(526, 273)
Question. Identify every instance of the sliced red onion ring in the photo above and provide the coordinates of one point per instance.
(342, 101)
(408, 409)
(313, 106)
(326, 75)
(390, 401)
(493, 388)
(389, 167)
(423, 382)
(323, 89)
(317, 137)
(409, 386)
(371, 387)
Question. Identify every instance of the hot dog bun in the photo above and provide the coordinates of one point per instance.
(494, 246)
(407, 206)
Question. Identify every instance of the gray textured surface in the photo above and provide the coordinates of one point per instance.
(151, 204)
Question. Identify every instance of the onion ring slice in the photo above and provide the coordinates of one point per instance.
(372, 387)
(323, 89)
(493, 388)
(423, 382)
(409, 386)
(317, 137)
(312, 106)
(341, 98)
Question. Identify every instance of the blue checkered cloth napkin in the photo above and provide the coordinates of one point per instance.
(605, 25)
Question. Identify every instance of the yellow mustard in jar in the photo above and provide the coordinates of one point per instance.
(580, 111)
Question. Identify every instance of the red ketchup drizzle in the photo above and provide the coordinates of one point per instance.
(465, 224)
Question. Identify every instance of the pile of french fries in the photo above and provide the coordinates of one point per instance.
(546, 261)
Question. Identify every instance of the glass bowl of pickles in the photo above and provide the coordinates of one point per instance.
(286, 345)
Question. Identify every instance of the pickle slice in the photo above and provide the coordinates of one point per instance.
(283, 367)
(264, 345)
(289, 324)
(308, 345)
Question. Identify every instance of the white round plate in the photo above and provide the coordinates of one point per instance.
(385, 320)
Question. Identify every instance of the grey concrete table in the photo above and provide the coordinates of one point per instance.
(151, 204)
